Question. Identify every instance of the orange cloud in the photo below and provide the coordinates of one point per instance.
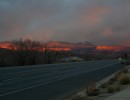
(95, 14)
(114, 48)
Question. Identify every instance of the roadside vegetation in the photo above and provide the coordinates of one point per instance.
(78, 97)
(124, 79)
(128, 62)
(113, 88)
(91, 90)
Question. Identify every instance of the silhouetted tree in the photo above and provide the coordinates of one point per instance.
(2, 53)
(34, 47)
(25, 50)
(50, 56)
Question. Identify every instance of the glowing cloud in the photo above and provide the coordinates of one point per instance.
(97, 21)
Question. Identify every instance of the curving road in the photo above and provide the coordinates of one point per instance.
(51, 82)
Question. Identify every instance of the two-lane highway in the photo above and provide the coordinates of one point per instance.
(50, 82)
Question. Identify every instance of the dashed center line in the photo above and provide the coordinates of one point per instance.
(12, 79)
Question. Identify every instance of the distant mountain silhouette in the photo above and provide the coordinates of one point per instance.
(5, 44)
(63, 44)
(75, 47)
(112, 48)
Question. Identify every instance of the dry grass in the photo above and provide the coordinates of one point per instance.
(118, 75)
(77, 97)
(91, 90)
(113, 88)
(104, 85)
(125, 70)
(111, 81)
(128, 62)
(124, 79)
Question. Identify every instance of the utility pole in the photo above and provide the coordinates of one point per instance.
(45, 54)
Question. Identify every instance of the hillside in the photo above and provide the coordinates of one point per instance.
(57, 45)
(77, 47)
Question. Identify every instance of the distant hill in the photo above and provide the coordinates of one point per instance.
(71, 46)
(75, 47)
(112, 48)
(57, 45)
(5, 44)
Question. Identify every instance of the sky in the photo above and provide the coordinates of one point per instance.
(101, 22)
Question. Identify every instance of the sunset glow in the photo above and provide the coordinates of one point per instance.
(114, 48)
(7, 46)
(60, 49)
(56, 46)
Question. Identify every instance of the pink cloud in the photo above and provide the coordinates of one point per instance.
(95, 14)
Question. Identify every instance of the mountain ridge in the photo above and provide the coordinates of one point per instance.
(67, 46)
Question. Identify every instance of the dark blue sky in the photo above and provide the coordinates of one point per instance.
(102, 22)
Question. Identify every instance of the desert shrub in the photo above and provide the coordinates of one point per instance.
(113, 88)
(128, 62)
(124, 79)
(118, 75)
(91, 90)
(125, 70)
(78, 97)
(104, 85)
(111, 81)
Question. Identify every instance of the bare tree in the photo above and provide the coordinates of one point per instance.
(25, 51)
(18, 49)
(1, 57)
(50, 56)
(33, 48)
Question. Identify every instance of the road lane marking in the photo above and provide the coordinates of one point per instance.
(12, 79)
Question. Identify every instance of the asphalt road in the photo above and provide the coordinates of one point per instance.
(51, 82)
